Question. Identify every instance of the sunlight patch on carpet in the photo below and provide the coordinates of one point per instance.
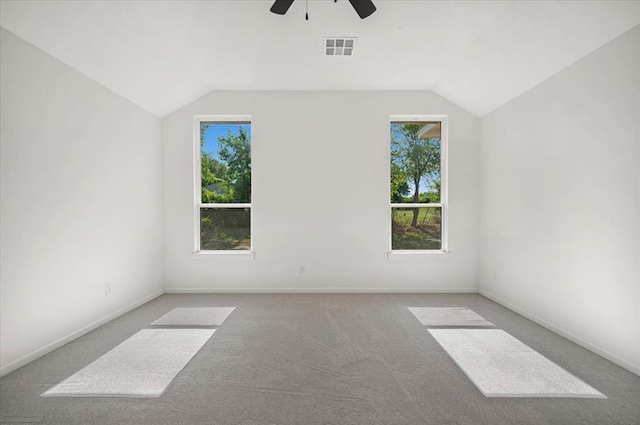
(195, 316)
(500, 365)
(142, 366)
(448, 316)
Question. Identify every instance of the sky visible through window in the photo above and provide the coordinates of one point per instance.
(216, 130)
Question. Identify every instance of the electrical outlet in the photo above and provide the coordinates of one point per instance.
(107, 288)
(302, 269)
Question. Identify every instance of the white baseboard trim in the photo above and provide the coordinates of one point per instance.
(568, 335)
(66, 339)
(299, 290)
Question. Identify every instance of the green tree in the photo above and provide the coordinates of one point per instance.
(214, 180)
(399, 186)
(417, 158)
(213, 173)
(235, 152)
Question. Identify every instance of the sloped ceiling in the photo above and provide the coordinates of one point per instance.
(162, 55)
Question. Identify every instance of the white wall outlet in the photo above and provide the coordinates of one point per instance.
(107, 288)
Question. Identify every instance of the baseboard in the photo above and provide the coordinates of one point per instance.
(66, 339)
(568, 335)
(299, 290)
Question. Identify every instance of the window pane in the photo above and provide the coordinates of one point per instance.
(415, 162)
(225, 229)
(416, 228)
(225, 162)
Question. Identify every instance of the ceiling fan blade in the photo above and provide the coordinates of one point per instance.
(364, 8)
(280, 7)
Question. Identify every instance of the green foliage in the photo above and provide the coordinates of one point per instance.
(419, 237)
(426, 215)
(426, 234)
(225, 229)
(399, 185)
(413, 157)
(431, 197)
(412, 161)
(227, 180)
(235, 151)
(214, 180)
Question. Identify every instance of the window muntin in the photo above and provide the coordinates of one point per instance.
(223, 184)
(418, 183)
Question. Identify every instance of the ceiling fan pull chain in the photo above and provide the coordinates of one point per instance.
(306, 14)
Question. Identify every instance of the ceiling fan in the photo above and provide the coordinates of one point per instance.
(363, 8)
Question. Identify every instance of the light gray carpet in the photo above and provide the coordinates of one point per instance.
(501, 366)
(142, 366)
(448, 316)
(320, 359)
(195, 316)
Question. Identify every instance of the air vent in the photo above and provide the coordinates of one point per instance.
(342, 46)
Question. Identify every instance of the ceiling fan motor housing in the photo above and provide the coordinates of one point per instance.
(363, 8)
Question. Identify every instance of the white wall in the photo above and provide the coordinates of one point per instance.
(81, 203)
(560, 202)
(321, 195)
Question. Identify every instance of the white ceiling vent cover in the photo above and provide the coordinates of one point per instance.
(339, 46)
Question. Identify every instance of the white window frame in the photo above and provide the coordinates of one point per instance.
(197, 183)
(444, 185)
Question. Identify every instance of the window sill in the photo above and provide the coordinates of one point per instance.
(240, 255)
(405, 255)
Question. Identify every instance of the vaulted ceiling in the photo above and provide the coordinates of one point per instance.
(162, 55)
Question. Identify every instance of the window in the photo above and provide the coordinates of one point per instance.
(223, 184)
(418, 187)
